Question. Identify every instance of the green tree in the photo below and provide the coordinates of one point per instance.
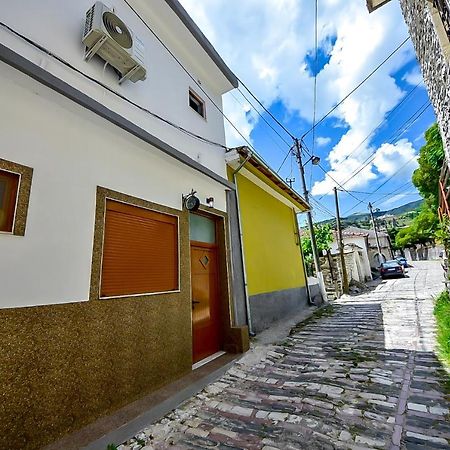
(431, 158)
(425, 227)
(422, 229)
(324, 237)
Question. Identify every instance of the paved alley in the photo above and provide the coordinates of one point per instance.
(359, 374)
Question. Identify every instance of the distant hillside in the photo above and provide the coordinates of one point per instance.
(363, 219)
(412, 206)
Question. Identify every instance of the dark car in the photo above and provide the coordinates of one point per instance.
(402, 260)
(392, 269)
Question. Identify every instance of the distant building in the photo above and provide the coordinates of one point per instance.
(366, 240)
(355, 241)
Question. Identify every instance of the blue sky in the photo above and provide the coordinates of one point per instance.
(269, 44)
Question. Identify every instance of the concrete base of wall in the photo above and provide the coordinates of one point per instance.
(273, 306)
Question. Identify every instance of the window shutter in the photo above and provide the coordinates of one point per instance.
(140, 251)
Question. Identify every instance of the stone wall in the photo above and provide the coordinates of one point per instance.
(433, 52)
(331, 270)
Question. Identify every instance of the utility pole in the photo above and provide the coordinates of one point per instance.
(315, 252)
(380, 256)
(341, 244)
(290, 181)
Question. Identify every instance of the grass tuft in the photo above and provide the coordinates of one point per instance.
(442, 313)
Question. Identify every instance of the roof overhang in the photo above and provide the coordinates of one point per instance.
(171, 23)
(372, 5)
(240, 157)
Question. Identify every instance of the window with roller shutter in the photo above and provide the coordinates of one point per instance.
(140, 251)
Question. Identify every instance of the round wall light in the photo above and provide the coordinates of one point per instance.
(191, 202)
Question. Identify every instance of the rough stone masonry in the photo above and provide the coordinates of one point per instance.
(433, 53)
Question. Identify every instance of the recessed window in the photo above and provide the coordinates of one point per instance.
(9, 186)
(140, 251)
(196, 103)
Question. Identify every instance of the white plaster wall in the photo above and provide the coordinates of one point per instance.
(360, 241)
(72, 151)
(58, 26)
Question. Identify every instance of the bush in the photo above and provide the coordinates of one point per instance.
(442, 313)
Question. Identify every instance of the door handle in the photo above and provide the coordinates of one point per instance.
(194, 302)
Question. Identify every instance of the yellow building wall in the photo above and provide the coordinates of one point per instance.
(272, 257)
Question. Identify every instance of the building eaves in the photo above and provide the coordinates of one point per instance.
(256, 162)
(372, 5)
(27, 67)
(182, 14)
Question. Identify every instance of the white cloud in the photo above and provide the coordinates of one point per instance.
(266, 42)
(322, 141)
(414, 77)
(392, 158)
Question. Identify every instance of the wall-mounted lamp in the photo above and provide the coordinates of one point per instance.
(210, 202)
(190, 201)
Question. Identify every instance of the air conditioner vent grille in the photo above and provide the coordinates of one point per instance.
(117, 30)
(89, 19)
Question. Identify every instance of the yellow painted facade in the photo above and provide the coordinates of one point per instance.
(270, 240)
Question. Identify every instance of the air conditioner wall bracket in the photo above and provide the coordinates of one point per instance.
(95, 48)
(130, 73)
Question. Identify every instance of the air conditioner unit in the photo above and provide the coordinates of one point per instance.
(107, 36)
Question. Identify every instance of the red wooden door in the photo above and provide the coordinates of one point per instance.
(205, 300)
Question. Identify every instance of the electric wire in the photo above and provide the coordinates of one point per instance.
(322, 207)
(315, 76)
(192, 77)
(327, 174)
(418, 113)
(406, 125)
(269, 135)
(358, 86)
(384, 183)
(266, 110)
(112, 91)
(391, 113)
(263, 118)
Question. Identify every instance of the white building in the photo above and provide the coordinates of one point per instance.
(356, 246)
(110, 288)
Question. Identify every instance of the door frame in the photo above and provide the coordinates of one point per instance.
(223, 266)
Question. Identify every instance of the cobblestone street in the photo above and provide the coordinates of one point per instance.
(359, 374)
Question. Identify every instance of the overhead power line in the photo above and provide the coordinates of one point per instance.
(109, 89)
(308, 152)
(388, 115)
(192, 78)
(357, 86)
(417, 114)
(272, 138)
(266, 110)
(264, 119)
(384, 183)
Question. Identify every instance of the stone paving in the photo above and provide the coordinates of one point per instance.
(359, 374)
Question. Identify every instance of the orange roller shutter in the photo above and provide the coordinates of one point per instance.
(140, 251)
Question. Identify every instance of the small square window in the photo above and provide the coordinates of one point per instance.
(9, 186)
(196, 103)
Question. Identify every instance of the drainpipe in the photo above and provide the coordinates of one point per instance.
(305, 273)
(241, 237)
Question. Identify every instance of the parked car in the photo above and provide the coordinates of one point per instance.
(391, 269)
(403, 261)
